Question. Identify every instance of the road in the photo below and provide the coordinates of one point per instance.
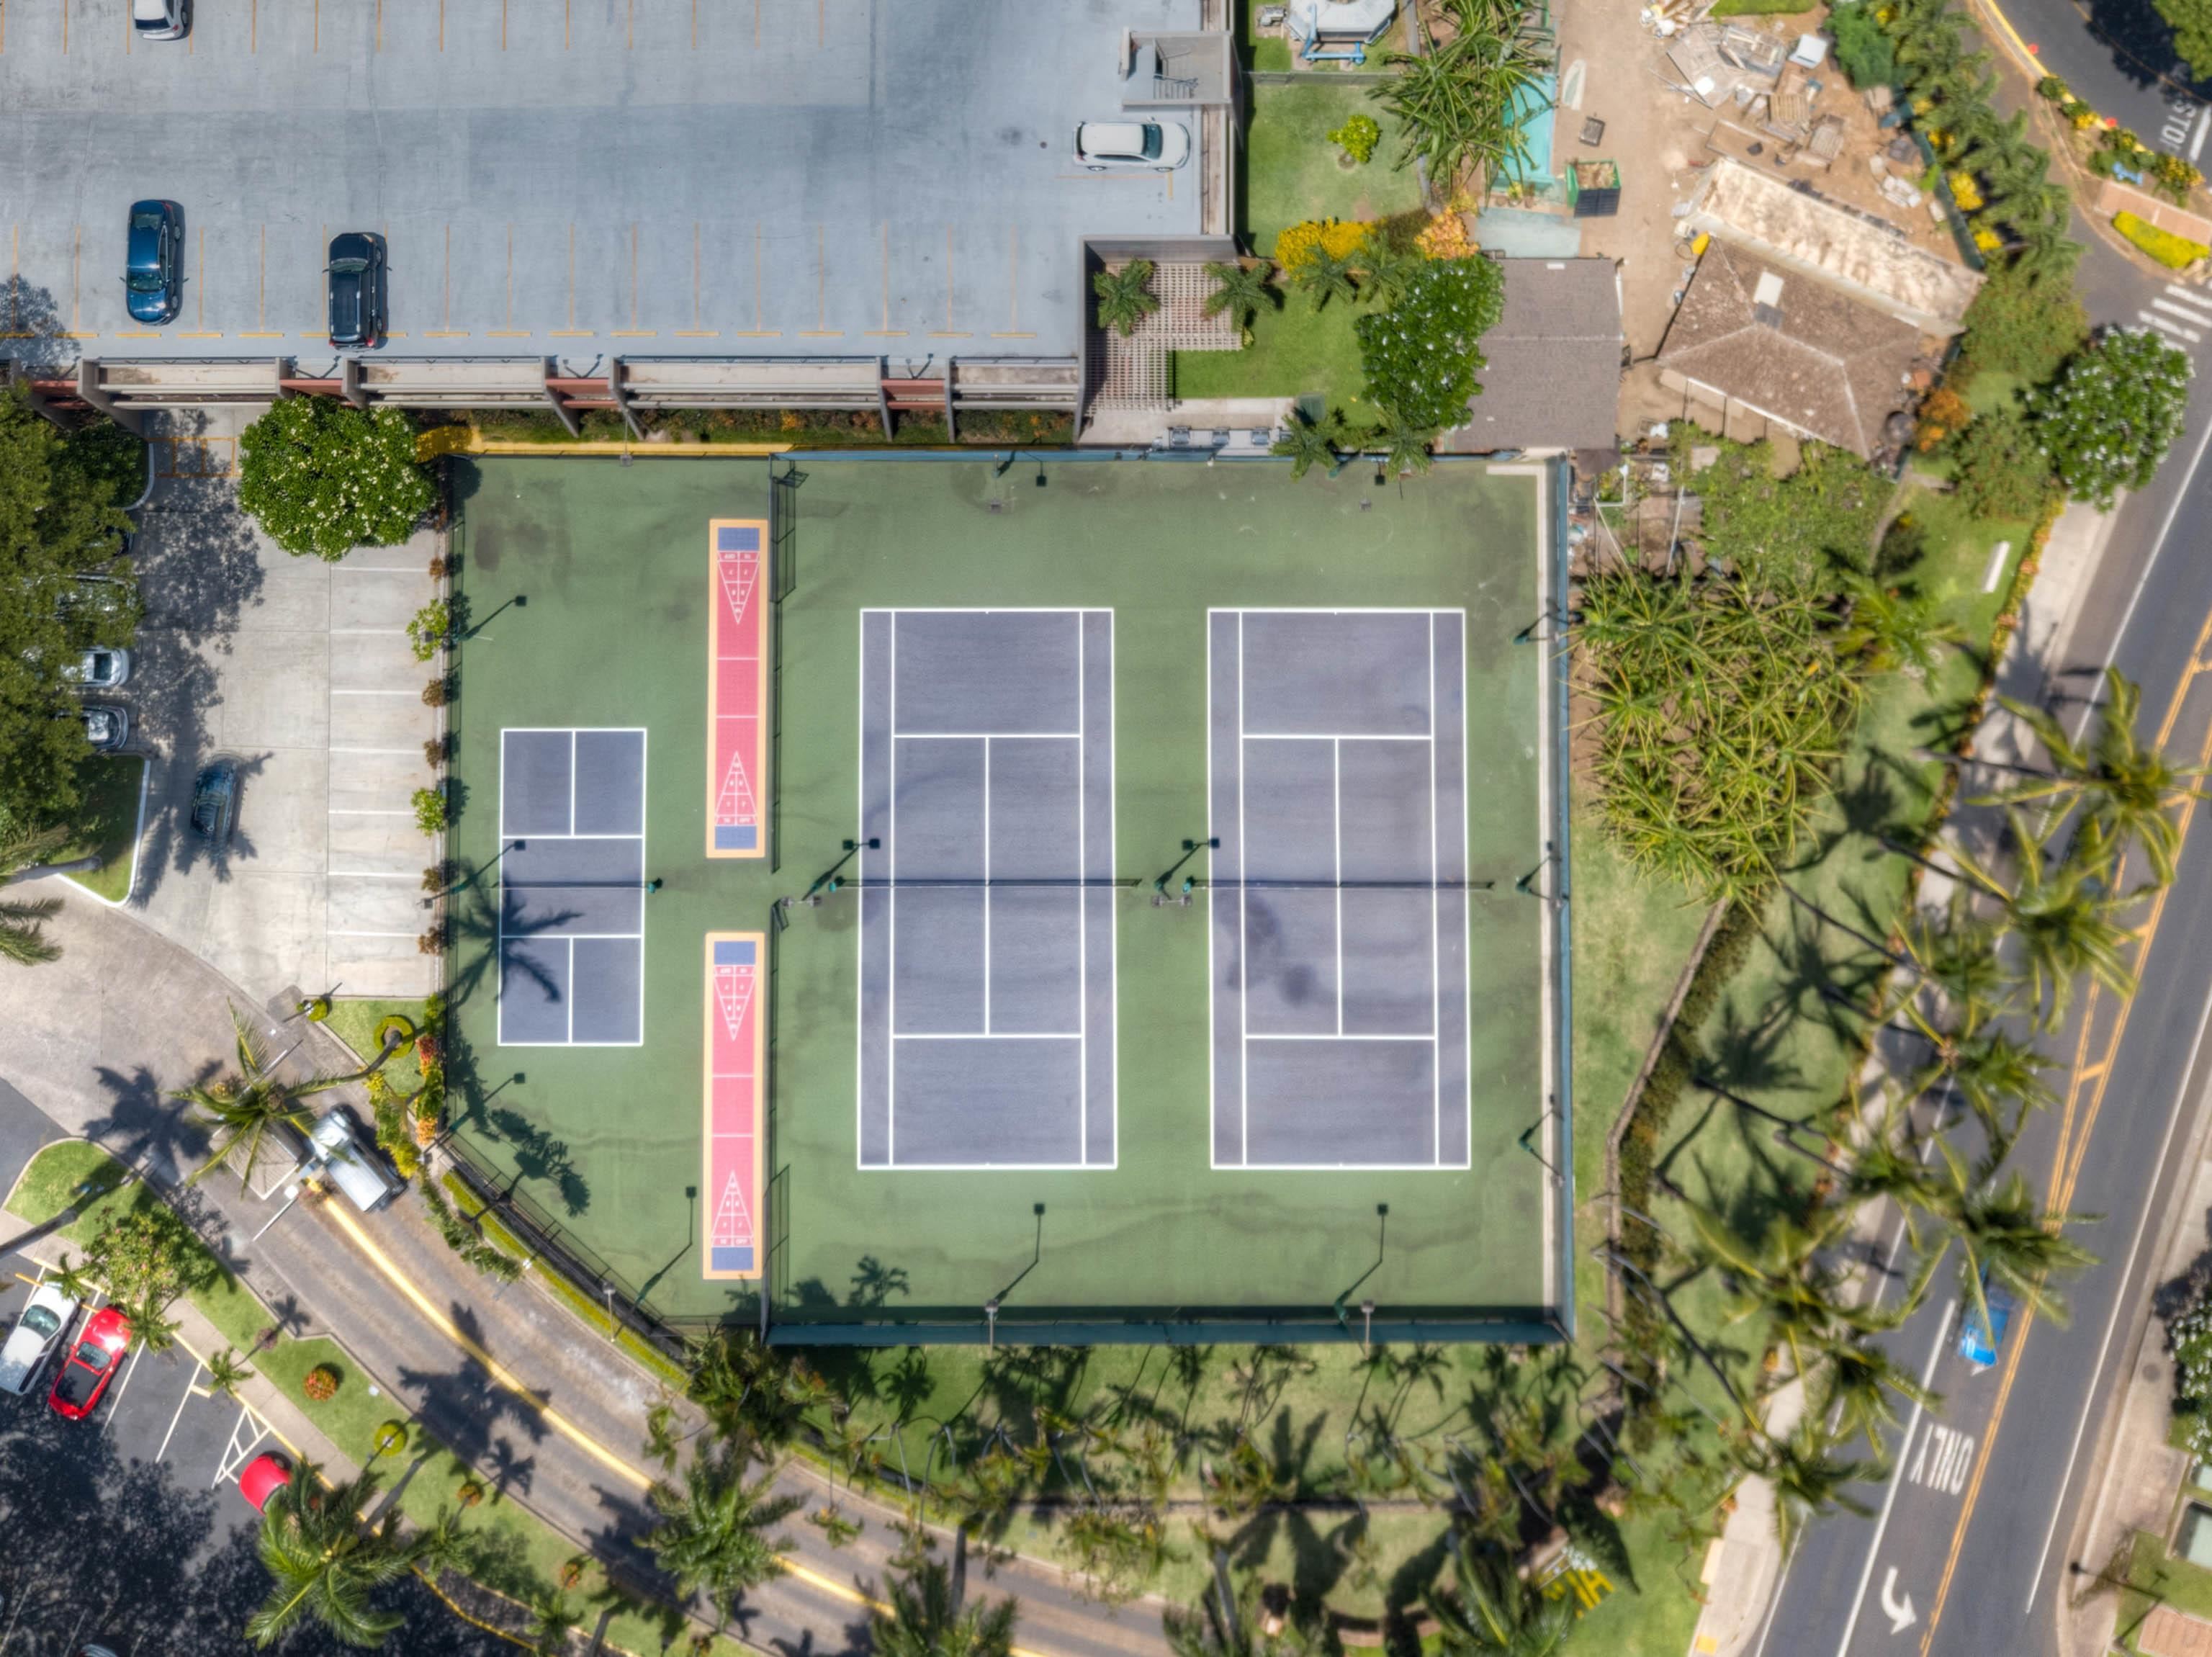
(2117, 55)
(1965, 1551)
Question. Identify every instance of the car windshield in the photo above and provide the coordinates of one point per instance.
(92, 1354)
(41, 1320)
(1155, 137)
(347, 266)
(146, 282)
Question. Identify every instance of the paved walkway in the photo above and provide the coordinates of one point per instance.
(302, 671)
(503, 1375)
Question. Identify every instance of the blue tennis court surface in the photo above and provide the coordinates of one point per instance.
(572, 888)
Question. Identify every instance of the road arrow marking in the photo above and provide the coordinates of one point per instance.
(1899, 1613)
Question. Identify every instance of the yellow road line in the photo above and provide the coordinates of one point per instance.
(498, 1371)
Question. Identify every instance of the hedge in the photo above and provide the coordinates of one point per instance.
(2175, 253)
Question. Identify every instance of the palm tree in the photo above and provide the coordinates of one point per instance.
(22, 936)
(2005, 1237)
(20, 850)
(1492, 1608)
(326, 1562)
(2118, 780)
(227, 1372)
(246, 1106)
(1309, 443)
(1405, 445)
(1125, 296)
(2065, 914)
(1859, 1388)
(73, 1280)
(1785, 1278)
(1388, 271)
(553, 1618)
(1809, 1477)
(1242, 290)
(1325, 276)
(1889, 628)
(713, 1536)
(923, 1616)
(1999, 1076)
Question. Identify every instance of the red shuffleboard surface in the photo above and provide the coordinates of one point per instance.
(737, 687)
(736, 1125)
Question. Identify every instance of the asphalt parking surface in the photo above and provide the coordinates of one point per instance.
(576, 178)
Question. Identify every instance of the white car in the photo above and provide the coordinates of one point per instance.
(99, 669)
(1159, 146)
(36, 1333)
(160, 20)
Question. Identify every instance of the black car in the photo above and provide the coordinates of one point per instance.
(356, 272)
(215, 801)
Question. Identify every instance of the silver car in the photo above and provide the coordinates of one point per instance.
(99, 669)
(36, 1333)
(160, 20)
(1154, 146)
(107, 726)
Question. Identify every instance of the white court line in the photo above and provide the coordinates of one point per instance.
(1334, 1035)
(1243, 933)
(1213, 918)
(986, 736)
(990, 1035)
(1342, 736)
(986, 886)
(891, 969)
(1435, 920)
(1336, 799)
(1082, 894)
(1113, 908)
(178, 1414)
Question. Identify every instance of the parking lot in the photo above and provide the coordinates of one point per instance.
(575, 178)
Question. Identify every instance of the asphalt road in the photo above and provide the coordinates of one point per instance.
(2118, 56)
(1964, 1552)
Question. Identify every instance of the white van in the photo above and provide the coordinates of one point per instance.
(335, 1156)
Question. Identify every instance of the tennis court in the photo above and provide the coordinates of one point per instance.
(572, 888)
(986, 874)
(1339, 892)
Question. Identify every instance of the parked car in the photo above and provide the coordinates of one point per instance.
(262, 1478)
(153, 261)
(37, 1330)
(215, 801)
(100, 668)
(1979, 1343)
(1159, 146)
(335, 1155)
(107, 726)
(82, 1379)
(357, 289)
(160, 20)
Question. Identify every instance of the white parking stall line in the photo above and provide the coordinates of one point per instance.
(122, 1385)
(178, 1415)
(236, 1455)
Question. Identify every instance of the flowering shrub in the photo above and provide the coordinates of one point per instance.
(1966, 192)
(1358, 137)
(1445, 236)
(2191, 1335)
(1420, 356)
(2175, 253)
(429, 810)
(428, 628)
(321, 477)
(1338, 238)
(2114, 410)
(321, 1384)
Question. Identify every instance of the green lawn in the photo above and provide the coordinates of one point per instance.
(1265, 53)
(354, 1022)
(2154, 1575)
(1291, 167)
(1295, 350)
(107, 824)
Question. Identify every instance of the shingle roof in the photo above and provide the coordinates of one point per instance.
(1552, 379)
(1792, 347)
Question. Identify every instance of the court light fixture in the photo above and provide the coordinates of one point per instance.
(1039, 477)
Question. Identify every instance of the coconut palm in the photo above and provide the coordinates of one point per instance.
(1783, 1279)
(923, 1616)
(2065, 914)
(1859, 1387)
(326, 1563)
(553, 1618)
(2116, 780)
(1888, 628)
(1388, 271)
(712, 1535)
(1125, 296)
(227, 1372)
(1325, 275)
(1809, 1477)
(1242, 290)
(71, 1278)
(1405, 444)
(22, 931)
(1492, 1608)
(1308, 442)
(1229, 1621)
(2005, 1237)
(246, 1106)
(1999, 1076)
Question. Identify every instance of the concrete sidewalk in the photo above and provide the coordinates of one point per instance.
(502, 1374)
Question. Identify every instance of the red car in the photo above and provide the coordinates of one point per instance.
(91, 1364)
(262, 1478)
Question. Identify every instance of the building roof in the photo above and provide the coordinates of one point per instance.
(1863, 255)
(1798, 350)
(1552, 377)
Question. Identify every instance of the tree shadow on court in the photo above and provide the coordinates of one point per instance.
(540, 1158)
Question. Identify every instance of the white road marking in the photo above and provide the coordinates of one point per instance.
(1899, 1613)
(1946, 1472)
(2160, 323)
(122, 1385)
(1889, 1497)
(2182, 311)
(2196, 137)
(2194, 297)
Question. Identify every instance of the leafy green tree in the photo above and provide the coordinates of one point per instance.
(326, 1563)
(22, 930)
(1889, 627)
(1492, 1608)
(1242, 290)
(924, 1616)
(751, 1390)
(322, 476)
(58, 522)
(1863, 51)
(1125, 296)
(712, 1535)
(1791, 531)
(1420, 356)
(1308, 442)
(2191, 23)
(245, 1107)
(2002, 471)
(2114, 410)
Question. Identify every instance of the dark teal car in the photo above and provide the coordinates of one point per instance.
(153, 261)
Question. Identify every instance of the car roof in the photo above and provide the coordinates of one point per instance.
(1102, 135)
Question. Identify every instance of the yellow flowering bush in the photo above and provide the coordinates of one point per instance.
(1444, 236)
(1340, 239)
(1966, 192)
(2175, 253)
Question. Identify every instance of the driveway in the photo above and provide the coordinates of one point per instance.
(301, 672)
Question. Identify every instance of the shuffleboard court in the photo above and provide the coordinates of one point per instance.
(737, 687)
(572, 888)
(732, 1140)
(987, 901)
(1337, 770)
